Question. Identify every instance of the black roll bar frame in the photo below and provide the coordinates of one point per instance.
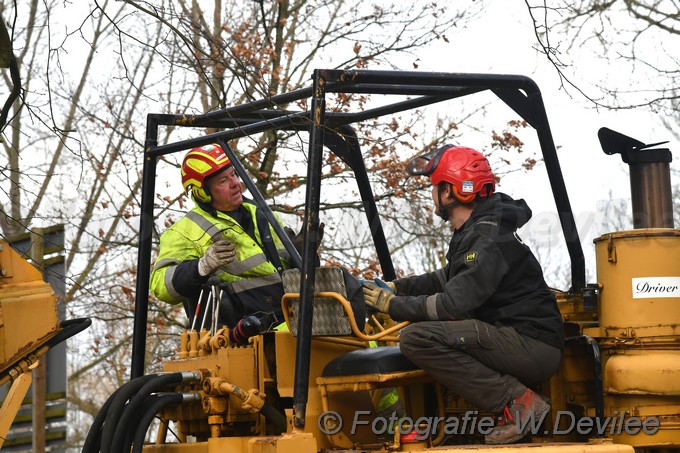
(333, 130)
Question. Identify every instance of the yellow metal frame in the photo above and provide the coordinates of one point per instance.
(384, 335)
(13, 400)
(363, 382)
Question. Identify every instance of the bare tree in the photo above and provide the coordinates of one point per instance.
(8, 60)
(73, 143)
(638, 39)
(73, 140)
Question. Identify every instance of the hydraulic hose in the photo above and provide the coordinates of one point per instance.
(69, 328)
(276, 417)
(91, 444)
(126, 421)
(118, 432)
(114, 410)
(149, 414)
(129, 434)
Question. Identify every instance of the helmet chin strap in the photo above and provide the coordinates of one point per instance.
(443, 210)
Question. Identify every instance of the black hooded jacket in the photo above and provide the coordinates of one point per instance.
(490, 275)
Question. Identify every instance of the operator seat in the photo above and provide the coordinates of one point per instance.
(378, 360)
(366, 368)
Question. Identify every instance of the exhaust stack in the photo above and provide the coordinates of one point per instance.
(650, 178)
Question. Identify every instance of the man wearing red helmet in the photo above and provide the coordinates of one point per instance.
(224, 236)
(486, 325)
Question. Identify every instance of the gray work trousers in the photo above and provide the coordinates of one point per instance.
(485, 364)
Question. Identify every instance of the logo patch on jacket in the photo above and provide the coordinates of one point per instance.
(471, 259)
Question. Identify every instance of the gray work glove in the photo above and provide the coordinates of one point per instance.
(219, 254)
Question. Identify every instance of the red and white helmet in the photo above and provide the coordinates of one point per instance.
(198, 165)
(467, 170)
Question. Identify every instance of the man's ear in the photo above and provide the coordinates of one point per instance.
(447, 193)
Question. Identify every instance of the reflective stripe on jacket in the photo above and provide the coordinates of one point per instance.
(189, 238)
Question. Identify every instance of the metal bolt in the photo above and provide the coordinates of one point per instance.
(3, 272)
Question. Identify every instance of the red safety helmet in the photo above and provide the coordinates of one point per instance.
(467, 170)
(198, 165)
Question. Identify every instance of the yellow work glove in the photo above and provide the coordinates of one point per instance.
(217, 255)
(377, 298)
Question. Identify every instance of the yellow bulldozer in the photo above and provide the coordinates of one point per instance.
(313, 386)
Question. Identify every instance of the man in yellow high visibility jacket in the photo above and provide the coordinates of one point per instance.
(224, 236)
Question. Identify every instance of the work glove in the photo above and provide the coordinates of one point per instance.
(297, 239)
(377, 298)
(219, 254)
(386, 285)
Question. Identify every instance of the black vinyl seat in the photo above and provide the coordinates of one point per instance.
(379, 360)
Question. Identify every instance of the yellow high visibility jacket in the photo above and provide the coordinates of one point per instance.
(254, 282)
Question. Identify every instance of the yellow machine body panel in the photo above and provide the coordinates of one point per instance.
(28, 308)
(246, 367)
(643, 373)
(304, 443)
(639, 275)
(286, 443)
(346, 404)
